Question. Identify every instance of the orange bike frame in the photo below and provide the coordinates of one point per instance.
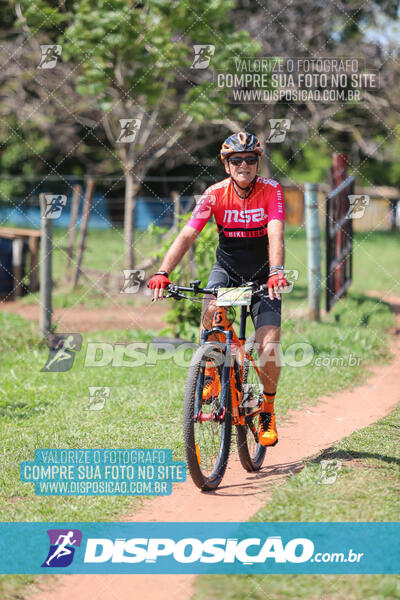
(221, 320)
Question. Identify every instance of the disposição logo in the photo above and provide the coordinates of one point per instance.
(62, 547)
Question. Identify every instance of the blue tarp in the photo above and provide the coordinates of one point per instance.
(29, 216)
(160, 212)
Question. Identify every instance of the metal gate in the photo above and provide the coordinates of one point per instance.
(339, 242)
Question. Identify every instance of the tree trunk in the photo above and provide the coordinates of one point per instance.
(131, 191)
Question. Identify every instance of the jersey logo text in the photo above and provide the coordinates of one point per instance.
(254, 215)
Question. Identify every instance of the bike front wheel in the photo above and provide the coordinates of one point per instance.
(207, 420)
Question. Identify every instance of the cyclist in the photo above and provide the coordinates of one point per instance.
(249, 213)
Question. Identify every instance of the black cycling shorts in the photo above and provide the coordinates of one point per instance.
(264, 311)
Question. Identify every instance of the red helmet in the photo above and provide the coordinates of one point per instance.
(240, 142)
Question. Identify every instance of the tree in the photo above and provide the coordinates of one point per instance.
(134, 65)
(45, 125)
(320, 28)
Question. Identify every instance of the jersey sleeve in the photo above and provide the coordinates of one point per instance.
(203, 210)
(276, 205)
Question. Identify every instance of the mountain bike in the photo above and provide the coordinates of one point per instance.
(236, 396)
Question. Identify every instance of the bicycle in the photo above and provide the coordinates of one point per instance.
(237, 400)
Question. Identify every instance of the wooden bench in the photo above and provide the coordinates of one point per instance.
(19, 236)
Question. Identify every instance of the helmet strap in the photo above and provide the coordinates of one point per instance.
(248, 189)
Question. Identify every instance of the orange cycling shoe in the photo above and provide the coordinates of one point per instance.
(267, 433)
(212, 384)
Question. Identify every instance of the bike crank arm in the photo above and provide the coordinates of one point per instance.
(253, 429)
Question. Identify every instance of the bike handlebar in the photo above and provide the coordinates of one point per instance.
(176, 291)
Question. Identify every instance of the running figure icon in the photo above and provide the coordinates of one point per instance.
(62, 352)
(63, 543)
(62, 549)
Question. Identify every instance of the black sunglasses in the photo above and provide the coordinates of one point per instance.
(237, 160)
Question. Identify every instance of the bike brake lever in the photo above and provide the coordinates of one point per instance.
(174, 294)
(263, 288)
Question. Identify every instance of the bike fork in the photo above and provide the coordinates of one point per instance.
(225, 382)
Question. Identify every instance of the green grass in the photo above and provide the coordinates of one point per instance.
(104, 251)
(367, 489)
(355, 328)
(45, 410)
(375, 265)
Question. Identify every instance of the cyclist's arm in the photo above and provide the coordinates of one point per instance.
(276, 242)
(276, 245)
(276, 227)
(178, 249)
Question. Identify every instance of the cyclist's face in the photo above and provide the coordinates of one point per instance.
(243, 173)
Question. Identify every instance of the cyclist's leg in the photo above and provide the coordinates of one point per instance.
(218, 277)
(266, 316)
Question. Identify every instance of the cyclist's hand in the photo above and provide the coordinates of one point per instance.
(276, 280)
(158, 283)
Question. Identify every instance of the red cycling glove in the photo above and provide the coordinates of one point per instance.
(276, 279)
(158, 281)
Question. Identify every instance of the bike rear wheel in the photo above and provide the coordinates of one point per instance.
(207, 425)
(251, 453)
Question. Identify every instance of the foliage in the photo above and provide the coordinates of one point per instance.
(133, 60)
(309, 162)
(123, 59)
(184, 316)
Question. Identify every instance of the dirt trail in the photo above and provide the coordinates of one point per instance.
(241, 493)
(81, 319)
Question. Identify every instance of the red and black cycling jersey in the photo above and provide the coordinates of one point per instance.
(242, 224)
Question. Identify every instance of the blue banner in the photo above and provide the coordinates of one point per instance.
(195, 548)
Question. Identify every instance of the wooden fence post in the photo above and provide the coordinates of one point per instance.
(17, 265)
(84, 225)
(338, 175)
(177, 209)
(46, 309)
(34, 243)
(313, 250)
(76, 196)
